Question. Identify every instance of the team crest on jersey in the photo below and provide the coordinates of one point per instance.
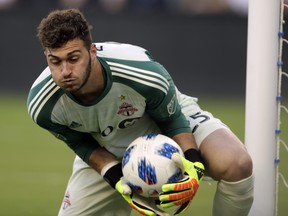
(126, 109)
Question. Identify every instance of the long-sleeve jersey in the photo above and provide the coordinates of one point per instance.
(139, 98)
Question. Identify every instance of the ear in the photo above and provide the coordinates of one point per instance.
(46, 51)
(93, 50)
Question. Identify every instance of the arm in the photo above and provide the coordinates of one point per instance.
(108, 166)
(166, 112)
(99, 158)
(86, 147)
(185, 141)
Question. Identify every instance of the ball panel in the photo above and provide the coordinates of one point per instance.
(147, 164)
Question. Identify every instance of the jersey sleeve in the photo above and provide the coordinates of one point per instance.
(41, 100)
(164, 108)
(83, 144)
(168, 116)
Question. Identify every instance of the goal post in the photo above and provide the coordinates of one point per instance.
(261, 104)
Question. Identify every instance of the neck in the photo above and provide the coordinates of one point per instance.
(94, 86)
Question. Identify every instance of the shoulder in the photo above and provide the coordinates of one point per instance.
(133, 66)
(144, 77)
(42, 97)
(122, 51)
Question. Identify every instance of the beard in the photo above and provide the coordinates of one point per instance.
(86, 76)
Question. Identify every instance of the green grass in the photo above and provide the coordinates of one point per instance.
(35, 167)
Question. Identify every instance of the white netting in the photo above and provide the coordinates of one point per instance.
(281, 132)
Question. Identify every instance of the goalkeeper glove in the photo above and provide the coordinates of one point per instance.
(181, 193)
(143, 205)
(112, 173)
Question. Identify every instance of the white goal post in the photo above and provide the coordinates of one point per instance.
(261, 105)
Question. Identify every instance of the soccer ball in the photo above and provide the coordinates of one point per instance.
(147, 164)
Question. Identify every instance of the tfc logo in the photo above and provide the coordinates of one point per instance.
(66, 200)
(126, 109)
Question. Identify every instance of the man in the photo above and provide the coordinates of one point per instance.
(98, 98)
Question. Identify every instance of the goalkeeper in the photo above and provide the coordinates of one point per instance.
(98, 98)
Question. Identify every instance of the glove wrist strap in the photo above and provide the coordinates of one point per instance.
(113, 174)
(193, 155)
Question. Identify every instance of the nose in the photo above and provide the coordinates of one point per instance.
(65, 69)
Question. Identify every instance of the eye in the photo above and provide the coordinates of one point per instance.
(55, 61)
(73, 59)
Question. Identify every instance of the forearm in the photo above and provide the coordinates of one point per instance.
(99, 158)
(106, 164)
(185, 141)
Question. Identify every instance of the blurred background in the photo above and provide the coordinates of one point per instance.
(202, 43)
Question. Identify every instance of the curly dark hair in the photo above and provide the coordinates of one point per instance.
(61, 26)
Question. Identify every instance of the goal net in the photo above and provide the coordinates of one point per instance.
(266, 117)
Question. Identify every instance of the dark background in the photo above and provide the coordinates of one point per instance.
(205, 54)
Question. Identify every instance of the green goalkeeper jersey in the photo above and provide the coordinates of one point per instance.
(139, 98)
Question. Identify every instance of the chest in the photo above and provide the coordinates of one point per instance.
(121, 108)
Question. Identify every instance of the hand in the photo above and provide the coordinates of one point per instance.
(181, 193)
(112, 173)
(143, 205)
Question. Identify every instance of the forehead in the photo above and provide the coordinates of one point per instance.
(69, 48)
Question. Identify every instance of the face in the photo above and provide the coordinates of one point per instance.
(70, 65)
